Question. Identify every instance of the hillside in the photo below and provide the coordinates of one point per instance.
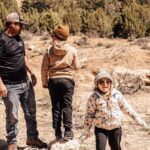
(99, 53)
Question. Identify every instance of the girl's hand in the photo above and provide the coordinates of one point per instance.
(147, 129)
(87, 134)
(84, 136)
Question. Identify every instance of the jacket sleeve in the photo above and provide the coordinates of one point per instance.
(75, 62)
(90, 114)
(45, 69)
(127, 109)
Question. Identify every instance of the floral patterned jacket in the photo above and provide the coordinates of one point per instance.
(107, 114)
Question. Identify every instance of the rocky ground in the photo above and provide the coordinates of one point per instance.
(98, 53)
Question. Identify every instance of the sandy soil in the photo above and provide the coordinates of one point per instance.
(99, 53)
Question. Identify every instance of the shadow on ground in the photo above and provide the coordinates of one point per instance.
(3, 144)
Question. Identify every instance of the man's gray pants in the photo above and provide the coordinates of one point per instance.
(22, 93)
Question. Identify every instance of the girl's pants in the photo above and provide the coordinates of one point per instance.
(113, 136)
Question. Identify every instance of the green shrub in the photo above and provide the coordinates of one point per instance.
(48, 20)
(1, 26)
(33, 20)
(6, 7)
(135, 20)
(10, 5)
(26, 6)
(99, 23)
(73, 19)
(90, 4)
(101, 17)
(3, 12)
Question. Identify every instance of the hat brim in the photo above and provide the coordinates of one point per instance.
(23, 22)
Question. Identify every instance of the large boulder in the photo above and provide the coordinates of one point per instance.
(130, 81)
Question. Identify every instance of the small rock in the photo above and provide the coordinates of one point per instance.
(70, 145)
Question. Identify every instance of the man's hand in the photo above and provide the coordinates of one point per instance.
(3, 90)
(33, 79)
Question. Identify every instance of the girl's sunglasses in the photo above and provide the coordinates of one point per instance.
(102, 82)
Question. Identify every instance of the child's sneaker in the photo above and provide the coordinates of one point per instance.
(37, 143)
(58, 134)
(68, 135)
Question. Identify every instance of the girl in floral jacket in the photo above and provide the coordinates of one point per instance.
(104, 110)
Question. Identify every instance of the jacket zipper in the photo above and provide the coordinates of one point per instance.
(109, 115)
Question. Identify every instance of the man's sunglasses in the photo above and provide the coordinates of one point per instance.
(17, 23)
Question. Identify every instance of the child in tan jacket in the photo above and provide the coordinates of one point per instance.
(57, 67)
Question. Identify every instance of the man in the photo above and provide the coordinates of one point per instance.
(15, 86)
